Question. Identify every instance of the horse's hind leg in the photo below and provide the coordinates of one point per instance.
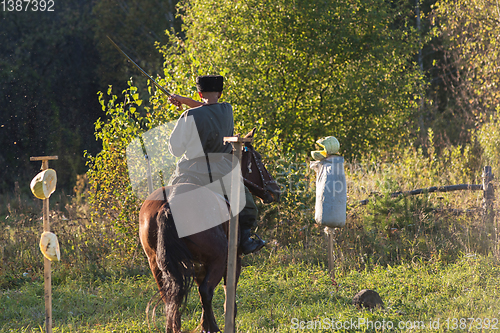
(206, 286)
(157, 274)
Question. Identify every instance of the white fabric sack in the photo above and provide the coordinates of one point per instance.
(331, 191)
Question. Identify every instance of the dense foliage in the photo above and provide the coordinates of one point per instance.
(112, 198)
(466, 34)
(299, 70)
(137, 26)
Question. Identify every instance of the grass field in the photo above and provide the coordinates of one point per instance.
(433, 258)
(278, 293)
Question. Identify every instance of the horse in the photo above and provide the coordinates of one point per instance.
(175, 262)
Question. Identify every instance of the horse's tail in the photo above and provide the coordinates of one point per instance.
(175, 262)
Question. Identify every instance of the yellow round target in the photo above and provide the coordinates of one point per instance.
(49, 245)
(44, 184)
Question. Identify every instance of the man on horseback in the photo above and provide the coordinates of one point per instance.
(212, 122)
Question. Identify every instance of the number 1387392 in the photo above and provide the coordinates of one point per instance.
(27, 5)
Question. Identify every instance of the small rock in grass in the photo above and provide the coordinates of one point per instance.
(368, 299)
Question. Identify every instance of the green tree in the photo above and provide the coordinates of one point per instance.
(298, 70)
(468, 32)
(301, 69)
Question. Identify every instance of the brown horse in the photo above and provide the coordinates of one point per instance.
(175, 261)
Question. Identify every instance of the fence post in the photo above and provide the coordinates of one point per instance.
(488, 195)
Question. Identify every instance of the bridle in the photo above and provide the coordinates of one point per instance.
(260, 167)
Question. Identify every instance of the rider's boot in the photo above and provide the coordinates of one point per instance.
(249, 244)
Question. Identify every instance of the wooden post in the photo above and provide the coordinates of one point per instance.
(229, 326)
(47, 263)
(330, 255)
(330, 232)
(489, 195)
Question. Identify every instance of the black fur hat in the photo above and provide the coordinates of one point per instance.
(209, 83)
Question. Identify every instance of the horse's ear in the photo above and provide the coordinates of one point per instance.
(251, 133)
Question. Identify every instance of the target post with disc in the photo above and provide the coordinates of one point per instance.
(42, 186)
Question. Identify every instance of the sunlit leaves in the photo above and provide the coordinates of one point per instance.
(304, 69)
(470, 30)
(111, 197)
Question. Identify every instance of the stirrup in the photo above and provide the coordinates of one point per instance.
(252, 245)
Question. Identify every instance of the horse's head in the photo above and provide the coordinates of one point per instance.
(256, 177)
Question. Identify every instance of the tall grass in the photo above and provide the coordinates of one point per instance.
(431, 226)
(390, 239)
(437, 226)
(89, 249)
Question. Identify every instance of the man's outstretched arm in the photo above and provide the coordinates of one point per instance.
(178, 100)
